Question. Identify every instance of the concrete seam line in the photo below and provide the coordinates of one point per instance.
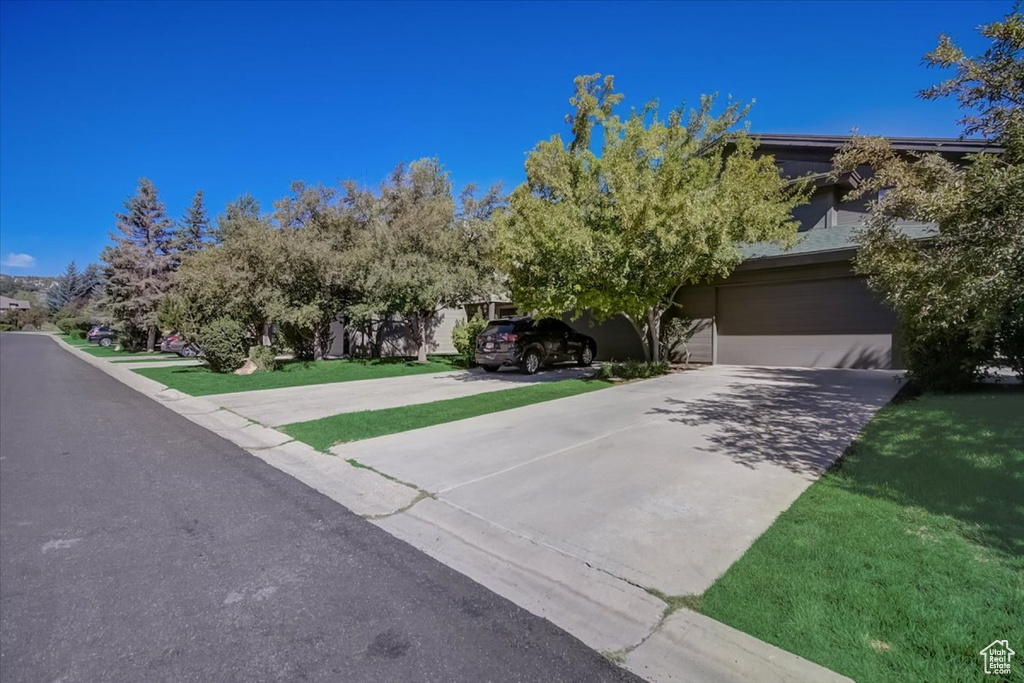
(422, 495)
(541, 544)
(526, 569)
(548, 455)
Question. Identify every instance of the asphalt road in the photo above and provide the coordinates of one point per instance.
(135, 545)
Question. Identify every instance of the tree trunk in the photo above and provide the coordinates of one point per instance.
(421, 337)
(151, 339)
(377, 339)
(318, 347)
(654, 334)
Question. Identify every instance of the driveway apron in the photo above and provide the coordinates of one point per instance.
(663, 483)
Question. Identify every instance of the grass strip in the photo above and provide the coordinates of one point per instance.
(198, 380)
(329, 431)
(905, 560)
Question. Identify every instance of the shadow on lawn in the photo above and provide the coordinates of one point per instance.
(959, 455)
(798, 419)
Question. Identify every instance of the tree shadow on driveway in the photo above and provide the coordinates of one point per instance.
(514, 376)
(799, 419)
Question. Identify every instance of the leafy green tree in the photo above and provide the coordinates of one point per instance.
(989, 87)
(667, 201)
(419, 252)
(139, 265)
(234, 278)
(958, 294)
(23, 318)
(316, 232)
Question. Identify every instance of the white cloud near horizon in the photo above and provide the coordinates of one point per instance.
(15, 260)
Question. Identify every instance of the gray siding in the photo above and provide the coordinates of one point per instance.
(397, 337)
(853, 212)
(698, 304)
(813, 215)
(616, 337)
(445, 322)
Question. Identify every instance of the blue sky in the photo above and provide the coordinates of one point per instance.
(236, 97)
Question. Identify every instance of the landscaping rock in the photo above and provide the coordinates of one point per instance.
(247, 368)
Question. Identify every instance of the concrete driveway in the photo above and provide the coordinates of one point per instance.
(663, 483)
(275, 407)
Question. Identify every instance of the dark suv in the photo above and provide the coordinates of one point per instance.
(530, 343)
(102, 335)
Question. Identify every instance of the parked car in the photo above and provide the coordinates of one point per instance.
(102, 335)
(529, 344)
(175, 342)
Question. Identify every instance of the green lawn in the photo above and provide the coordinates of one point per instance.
(326, 432)
(908, 558)
(73, 341)
(197, 380)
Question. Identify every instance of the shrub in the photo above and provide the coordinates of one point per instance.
(223, 343)
(66, 325)
(675, 337)
(464, 338)
(942, 359)
(130, 336)
(633, 369)
(265, 358)
(6, 327)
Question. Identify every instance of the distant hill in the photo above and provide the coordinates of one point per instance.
(9, 284)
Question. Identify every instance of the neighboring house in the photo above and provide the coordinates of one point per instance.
(397, 339)
(8, 304)
(803, 306)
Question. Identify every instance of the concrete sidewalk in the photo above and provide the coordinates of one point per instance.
(276, 407)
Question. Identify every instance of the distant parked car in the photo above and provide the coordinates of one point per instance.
(529, 344)
(102, 335)
(175, 342)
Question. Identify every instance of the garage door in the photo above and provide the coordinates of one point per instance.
(835, 323)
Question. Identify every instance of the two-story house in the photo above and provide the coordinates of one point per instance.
(802, 306)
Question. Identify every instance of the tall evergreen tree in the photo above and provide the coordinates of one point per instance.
(194, 226)
(139, 264)
(64, 290)
(90, 282)
(75, 288)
